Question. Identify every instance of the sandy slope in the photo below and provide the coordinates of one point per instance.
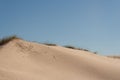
(21, 60)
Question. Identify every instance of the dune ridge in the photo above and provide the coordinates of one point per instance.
(23, 60)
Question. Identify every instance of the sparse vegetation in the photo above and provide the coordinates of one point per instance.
(95, 52)
(10, 38)
(72, 47)
(50, 44)
(115, 57)
(7, 40)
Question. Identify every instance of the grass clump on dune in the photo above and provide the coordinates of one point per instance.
(50, 44)
(7, 39)
(72, 47)
(115, 57)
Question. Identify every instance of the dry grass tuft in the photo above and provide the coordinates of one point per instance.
(72, 47)
(50, 44)
(115, 57)
(7, 40)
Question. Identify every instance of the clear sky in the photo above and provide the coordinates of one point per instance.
(90, 24)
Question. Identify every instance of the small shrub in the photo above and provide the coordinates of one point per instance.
(7, 40)
(95, 52)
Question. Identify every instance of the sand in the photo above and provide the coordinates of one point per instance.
(22, 60)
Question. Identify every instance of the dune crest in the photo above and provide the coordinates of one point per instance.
(22, 60)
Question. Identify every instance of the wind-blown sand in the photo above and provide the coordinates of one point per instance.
(22, 60)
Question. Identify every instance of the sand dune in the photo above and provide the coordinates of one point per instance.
(22, 60)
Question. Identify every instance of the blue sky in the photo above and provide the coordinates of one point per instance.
(90, 24)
